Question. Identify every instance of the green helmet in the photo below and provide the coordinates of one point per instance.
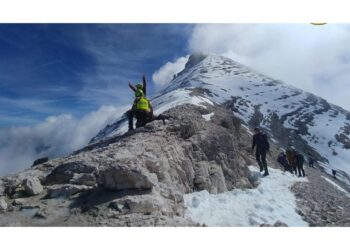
(139, 86)
(139, 93)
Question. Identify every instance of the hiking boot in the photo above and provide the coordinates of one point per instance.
(163, 118)
(266, 174)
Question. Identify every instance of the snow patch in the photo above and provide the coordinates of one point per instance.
(272, 200)
(337, 186)
(208, 116)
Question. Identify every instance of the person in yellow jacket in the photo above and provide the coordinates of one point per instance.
(142, 110)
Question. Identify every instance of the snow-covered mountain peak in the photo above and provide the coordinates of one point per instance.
(292, 117)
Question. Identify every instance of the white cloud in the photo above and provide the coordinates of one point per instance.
(56, 136)
(313, 58)
(166, 73)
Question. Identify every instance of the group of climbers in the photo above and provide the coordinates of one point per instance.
(141, 109)
(292, 161)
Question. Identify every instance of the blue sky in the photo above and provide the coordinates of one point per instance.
(50, 69)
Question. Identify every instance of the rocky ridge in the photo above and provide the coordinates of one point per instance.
(133, 180)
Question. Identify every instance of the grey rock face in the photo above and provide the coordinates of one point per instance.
(84, 179)
(64, 190)
(2, 188)
(145, 204)
(40, 161)
(11, 185)
(32, 186)
(121, 177)
(65, 172)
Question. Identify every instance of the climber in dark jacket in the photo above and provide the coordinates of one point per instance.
(334, 173)
(282, 159)
(262, 146)
(310, 160)
(300, 164)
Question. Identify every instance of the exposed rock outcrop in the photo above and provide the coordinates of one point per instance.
(137, 179)
(40, 161)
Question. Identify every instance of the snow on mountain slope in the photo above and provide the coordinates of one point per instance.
(271, 201)
(336, 186)
(292, 117)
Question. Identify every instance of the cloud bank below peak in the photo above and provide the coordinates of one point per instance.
(56, 136)
(166, 72)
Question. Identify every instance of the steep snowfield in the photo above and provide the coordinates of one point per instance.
(315, 124)
(271, 201)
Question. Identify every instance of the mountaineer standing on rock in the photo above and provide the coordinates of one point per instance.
(262, 146)
(141, 108)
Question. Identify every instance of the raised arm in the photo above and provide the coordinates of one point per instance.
(133, 88)
(144, 84)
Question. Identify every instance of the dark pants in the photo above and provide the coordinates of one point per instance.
(301, 171)
(294, 166)
(288, 168)
(260, 155)
(142, 118)
(311, 164)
